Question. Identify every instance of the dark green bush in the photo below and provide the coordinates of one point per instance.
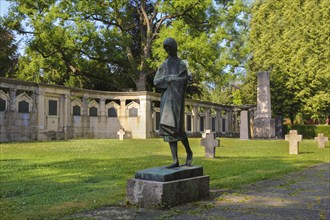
(309, 131)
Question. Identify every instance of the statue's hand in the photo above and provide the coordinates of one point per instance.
(170, 78)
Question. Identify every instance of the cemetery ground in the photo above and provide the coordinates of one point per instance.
(59, 178)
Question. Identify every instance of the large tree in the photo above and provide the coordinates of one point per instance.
(75, 41)
(109, 44)
(8, 53)
(290, 39)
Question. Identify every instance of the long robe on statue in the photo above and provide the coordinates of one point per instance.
(172, 102)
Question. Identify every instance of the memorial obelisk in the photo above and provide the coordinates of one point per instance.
(264, 125)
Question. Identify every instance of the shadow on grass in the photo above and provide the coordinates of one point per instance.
(52, 189)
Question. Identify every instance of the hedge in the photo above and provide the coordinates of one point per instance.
(309, 131)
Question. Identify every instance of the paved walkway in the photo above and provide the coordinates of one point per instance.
(300, 195)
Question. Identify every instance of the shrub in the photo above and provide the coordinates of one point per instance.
(310, 131)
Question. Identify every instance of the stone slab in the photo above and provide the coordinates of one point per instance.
(244, 133)
(154, 194)
(163, 174)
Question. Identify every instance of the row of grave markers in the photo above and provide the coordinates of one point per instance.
(210, 142)
(294, 138)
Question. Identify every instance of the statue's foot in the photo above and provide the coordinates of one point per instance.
(189, 160)
(172, 165)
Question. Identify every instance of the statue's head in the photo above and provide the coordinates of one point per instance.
(170, 46)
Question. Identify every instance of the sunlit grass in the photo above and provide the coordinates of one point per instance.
(54, 179)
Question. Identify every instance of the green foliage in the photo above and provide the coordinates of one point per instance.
(290, 39)
(8, 52)
(101, 45)
(249, 89)
(51, 180)
(310, 131)
(215, 55)
(112, 45)
(237, 98)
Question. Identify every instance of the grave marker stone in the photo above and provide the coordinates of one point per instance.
(210, 143)
(121, 134)
(294, 140)
(244, 132)
(264, 125)
(321, 140)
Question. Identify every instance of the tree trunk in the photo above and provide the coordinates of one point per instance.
(141, 83)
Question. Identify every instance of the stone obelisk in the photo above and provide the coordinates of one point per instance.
(264, 125)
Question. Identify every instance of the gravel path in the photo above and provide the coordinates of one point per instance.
(299, 195)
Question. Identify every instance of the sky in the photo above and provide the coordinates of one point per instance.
(3, 7)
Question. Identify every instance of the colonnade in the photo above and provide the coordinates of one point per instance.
(36, 111)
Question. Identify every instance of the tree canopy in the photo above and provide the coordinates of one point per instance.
(8, 52)
(117, 45)
(290, 39)
(113, 45)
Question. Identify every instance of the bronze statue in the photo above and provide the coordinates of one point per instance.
(172, 78)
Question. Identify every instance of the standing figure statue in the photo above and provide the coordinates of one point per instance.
(172, 79)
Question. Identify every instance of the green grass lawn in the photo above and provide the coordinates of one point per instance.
(53, 179)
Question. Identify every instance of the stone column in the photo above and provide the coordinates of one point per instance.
(229, 124)
(61, 113)
(102, 125)
(207, 119)
(85, 117)
(85, 105)
(146, 121)
(102, 107)
(40, 114)
(102, 116)
(227, 121)
(12, 113)
(34, 115)
(264, 125)
(12, 100)
(195, 120)
(235, 119)
(218, 121)
(65, 99)
(122, 110)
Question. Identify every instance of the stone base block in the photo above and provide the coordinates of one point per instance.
(163, 174)
(153, 194)
(264, 128)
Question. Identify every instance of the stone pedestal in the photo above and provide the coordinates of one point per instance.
(161, 187)
(264, 128)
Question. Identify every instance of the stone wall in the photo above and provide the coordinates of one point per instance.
(37, 111)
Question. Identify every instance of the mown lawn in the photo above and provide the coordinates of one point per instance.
(53, 179)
